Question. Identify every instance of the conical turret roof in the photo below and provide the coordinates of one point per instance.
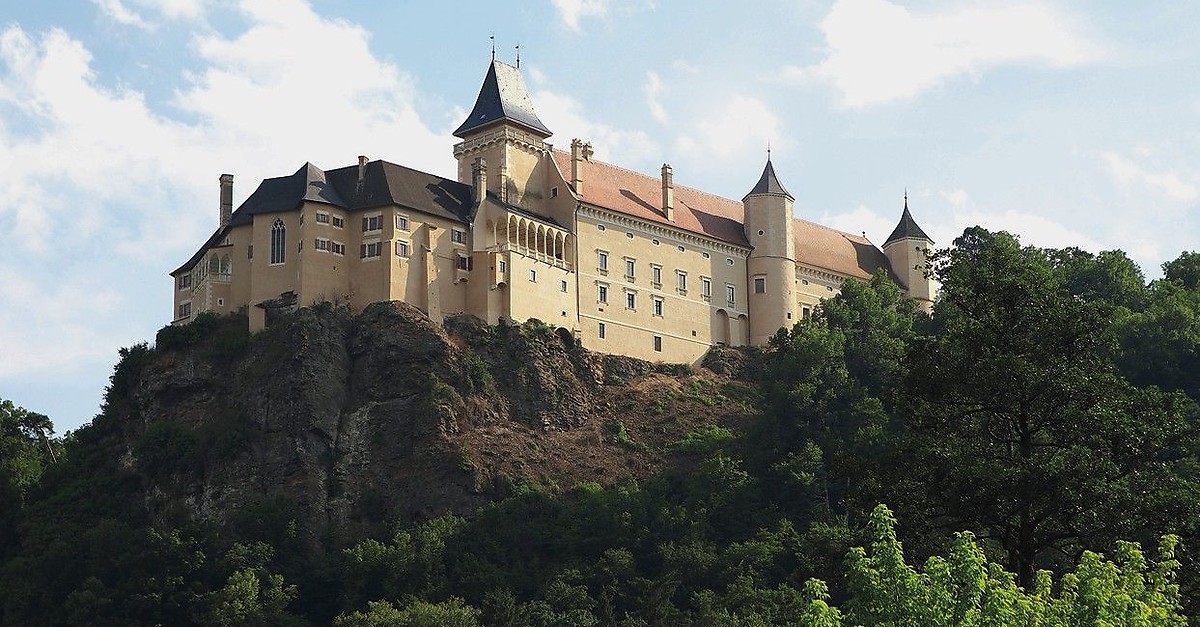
(907, 228)
(503, 97)
(768, 183)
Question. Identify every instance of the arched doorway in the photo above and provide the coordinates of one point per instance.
(720, 333)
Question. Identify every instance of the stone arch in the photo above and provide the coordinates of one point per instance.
(721, 328)
(743, 331)
(565, 336)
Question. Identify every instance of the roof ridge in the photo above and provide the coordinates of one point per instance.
(652, 177)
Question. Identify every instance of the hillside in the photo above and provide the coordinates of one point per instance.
(362, 420)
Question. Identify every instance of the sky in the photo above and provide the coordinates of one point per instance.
(1066, 122)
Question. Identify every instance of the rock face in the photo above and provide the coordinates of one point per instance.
(356, 421)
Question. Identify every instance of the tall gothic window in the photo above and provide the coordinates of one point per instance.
(278, 235)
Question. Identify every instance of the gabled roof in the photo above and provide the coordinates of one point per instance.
(624, 191)
(907, 228)
(502, 97)
(638, 195)
(383, 183)
(768, 183)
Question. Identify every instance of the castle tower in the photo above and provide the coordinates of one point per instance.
(504, 129)
(771, 268)
(907, 249)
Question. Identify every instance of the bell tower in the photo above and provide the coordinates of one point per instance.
(771, 268)
(504, 129)
(907, 249)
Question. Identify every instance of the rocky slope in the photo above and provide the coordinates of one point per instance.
(355, 421)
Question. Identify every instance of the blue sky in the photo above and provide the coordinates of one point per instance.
(1069, 123)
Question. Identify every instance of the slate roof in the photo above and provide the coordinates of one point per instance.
(768, 183)
(503, 97)
(383, 184)
(907, 228)
(638, 195)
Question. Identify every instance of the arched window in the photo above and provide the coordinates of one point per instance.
(278, 236)
(214, 265)
(226, 266)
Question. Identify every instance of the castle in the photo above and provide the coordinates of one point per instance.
(627, 263)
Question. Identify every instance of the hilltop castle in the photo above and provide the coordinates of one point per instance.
(627, 263)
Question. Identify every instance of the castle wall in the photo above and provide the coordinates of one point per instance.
(689, 322)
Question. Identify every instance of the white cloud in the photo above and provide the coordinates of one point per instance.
(862, 220)
(740, 127)
(135, 186)
(1169, 183)
(1034, 230)
(121, 14)
(571, 11)
(957, 197)
(654, 89)
(878, 51)
(564, 115)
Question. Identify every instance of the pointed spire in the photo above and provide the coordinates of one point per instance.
(503, 98)
(907, 228)
(768, 183)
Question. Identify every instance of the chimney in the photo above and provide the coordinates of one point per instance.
(668, 193)
(362, 170)
(577, 165)
(479, 179)
(226, 199)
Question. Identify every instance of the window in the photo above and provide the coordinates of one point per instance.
(457, 236)
(401, 223)
(599, 227)
(730, 293)
(631, 300)
(628, 235)
(681, 282)
(760, 285)
(602, 296)
(503, 267)
(563, 285)
(729, 261)
(401, 248)
(655, 242)
(464, 262)
(185, 310)
(370, 249)
(705, 288)
(338, 222)
(322, 217)
(806, 312)
(681, 249)
(554, 192)
(372, 223)
(250, 251)
(629, 268)
(602, 261)
(705, 255)
(600, 330)
(655, 275)
(321, 244)
(658, 306)
(337, 248)
(278, 239)
(533, 275)
(301, 220)
(185, 281)
(658, 343)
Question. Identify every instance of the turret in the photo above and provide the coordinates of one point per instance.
(771, 268)
(907, 249)
(504, 129)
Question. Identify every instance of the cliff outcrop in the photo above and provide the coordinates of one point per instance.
(351, 422)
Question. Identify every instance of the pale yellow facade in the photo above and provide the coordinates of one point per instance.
(626, 263)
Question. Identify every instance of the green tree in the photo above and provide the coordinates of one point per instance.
(1020, 425)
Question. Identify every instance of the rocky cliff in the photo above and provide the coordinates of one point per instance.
(355, 421)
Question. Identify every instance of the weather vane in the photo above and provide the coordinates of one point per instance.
(493, 38)
(518, 56)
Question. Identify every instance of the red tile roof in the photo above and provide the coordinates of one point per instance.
(638, 195)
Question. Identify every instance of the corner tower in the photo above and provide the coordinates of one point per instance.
(771, 268)
(907, 249)
(504, 129)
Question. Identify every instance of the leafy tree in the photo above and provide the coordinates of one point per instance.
(417, 613)
(1020, 425)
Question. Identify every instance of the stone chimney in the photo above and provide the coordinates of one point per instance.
(226, 199)
(668, 193)
(577, 165)
(362, 170)
(479, 179)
